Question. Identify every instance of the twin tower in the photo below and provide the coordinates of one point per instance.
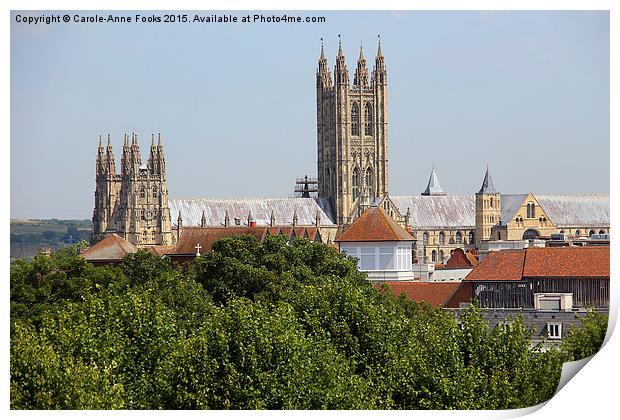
(134, 203)
(352, 134)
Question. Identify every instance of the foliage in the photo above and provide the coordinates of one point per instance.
(253, 326)
(588, 339)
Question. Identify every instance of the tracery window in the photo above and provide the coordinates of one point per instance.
(459, 237)
(368, 181)
(355, 182)
(368, 120)
(425, 238)
(355, 120)
(142, 192)
(442, 238)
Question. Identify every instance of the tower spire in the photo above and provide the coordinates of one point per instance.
(379, 54)
(433, 187)
(361, 73)
(322, 52)
(340, 54)
(487, 184)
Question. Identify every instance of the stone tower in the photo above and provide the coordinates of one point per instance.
(352, 134)
(488, 209)
(134, 203)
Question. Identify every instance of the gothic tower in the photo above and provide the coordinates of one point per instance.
(352, 134)
(488, 209)
(134, 203)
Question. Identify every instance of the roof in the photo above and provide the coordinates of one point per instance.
(435, 293)
(205, 237)
(567, 262)
(428, 211)
(459, 212)
(515, 265)
(576, 209)
(450, 274)
(261, 208)
(433, 187)
(461, 259)
(374, 225)
(112, 247)
(487, 184)
(499, 265)
(159, 250)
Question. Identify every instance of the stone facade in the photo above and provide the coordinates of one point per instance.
(134, 203)
(352, 135)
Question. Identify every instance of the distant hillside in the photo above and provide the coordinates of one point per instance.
(29, 236)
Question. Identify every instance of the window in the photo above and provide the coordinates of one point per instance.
(434, 256)
(442, 238)
(237, 221)
(386, 258)
(577, 232)
(154, 192)
(356, 183)
(368, 181)
(591, 233)
(472, 236)
(144, 236)
(459, 237)
(491, 202)
(368, 120)
(367, 260)
(442, 256)
(142, 215)
(355, 120)
(554, 330)
(425, 238)
(142, 192)
(601, 232)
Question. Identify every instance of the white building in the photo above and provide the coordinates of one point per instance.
(382, 246)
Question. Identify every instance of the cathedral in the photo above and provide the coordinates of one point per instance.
(352, 175)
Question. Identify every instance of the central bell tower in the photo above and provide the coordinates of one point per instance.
(352, 134)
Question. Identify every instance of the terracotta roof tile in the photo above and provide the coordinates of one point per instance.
(499, 265)
(374, 225)
(435, 293)
(112, 247)
(191, 237)
(590, 261)
(463, 293)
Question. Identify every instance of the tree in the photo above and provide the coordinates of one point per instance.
(586, 340)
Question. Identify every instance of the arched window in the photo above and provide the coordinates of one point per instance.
(459, 237)
(356, 183)
(142, 192)
(144, 236)
(442, 256)
(368, 182)
(591, 233)
(533, 210)
(368, 120)
(355, 120)
(491, 203)
(442, 238)
(425, 238)
(577, 232)
(154, 192)
(472, 236)
(601, 232)
(562, 231)
(530, 234)
(434, 256)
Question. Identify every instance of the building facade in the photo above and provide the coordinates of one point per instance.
(352, 135)
(134, 203)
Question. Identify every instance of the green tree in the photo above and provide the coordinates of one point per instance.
(587, 339)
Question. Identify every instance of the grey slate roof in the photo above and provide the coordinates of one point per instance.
(576, 209)
(510, 205)
(487, 184)
(283, 209)
(433, 212)
(430, 212)
(433, 187)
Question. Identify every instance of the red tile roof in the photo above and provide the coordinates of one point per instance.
(435, 293)
(499, 265)
(586, 261)
(205, 237)
(543, 262)
(112, 247)
(372, 226)
(463, 293)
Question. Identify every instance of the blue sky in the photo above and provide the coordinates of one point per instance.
(525, 92)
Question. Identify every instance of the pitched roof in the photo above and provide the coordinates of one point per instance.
(589, 261)
(511, 203)
(487, 184)
(433, 187)
(554, 262)
(159, 250)
(435, 293)
(112, 247)
(576, 209)
(461, 259)
(463, 293)
(432, 211)
(372, 226)
(499, 265)
(261, 208)
(205, 237)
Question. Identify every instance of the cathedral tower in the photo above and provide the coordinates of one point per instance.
(488, 209)
(134, 203)
(352, 134)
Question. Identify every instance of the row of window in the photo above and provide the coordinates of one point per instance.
(355, 182)
(381, 258)
(143, 192)
(590, 233)
(355, 120)
(442, 238)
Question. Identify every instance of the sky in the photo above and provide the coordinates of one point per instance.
(526, 93)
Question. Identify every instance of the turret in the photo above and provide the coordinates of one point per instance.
(110, 164)
(361, 72)
(488, 209)
(341, 75)
(433, 187)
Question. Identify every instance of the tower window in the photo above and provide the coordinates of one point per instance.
(154, 192)
(425, 238)
(356, 183)
(355, 120)
(368, 181)
(459, 237)
(434, 256)
(491, 202)
(442, 238)
(368, 120)
(142, 192)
